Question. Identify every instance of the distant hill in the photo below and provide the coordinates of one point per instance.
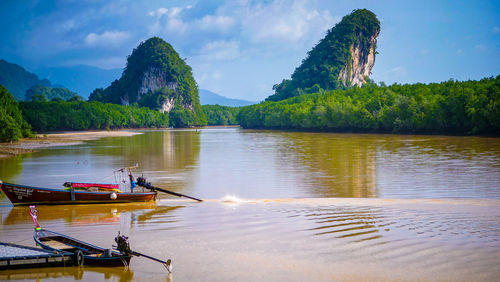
(343, 58)
(210, 98)
(158, 78)
(17, 80)
(37, 92)
(82, 79)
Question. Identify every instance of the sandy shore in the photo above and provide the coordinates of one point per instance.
(28, 145)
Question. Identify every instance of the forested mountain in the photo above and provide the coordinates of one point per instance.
(343, 58)
(12, 125)
(452, 107)
(39, 92)
(157, 78)
(210, 98)
(17, 80)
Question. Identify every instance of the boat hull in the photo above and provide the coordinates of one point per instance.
(27, 195)
(92, 255)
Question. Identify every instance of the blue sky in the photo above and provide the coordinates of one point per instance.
(240, 49)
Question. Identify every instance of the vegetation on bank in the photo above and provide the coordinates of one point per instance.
(79, 115)
(452, 107)
(12, 125)
(221, 115)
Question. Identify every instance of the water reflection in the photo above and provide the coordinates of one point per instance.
(11, 167)
(164, 156)
(392, 166)
(121, 274)
(213, 163)
(101, 214)
(339, 165)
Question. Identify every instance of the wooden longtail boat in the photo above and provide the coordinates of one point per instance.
(85, 193)
(86, 253)
(27, 195)
(83, 253)
(77, 193)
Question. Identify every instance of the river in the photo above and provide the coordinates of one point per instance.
(279, 206)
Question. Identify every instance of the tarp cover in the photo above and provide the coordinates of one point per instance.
(98, 185)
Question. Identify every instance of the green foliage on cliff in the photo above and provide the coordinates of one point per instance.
(17, 80)
(40, 92)
(323, 64)
(452, 107)
(164, 67)
(221, 115)
(12, 125)
(80, 115)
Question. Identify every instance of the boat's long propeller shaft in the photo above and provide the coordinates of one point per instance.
(141, 181)
(123, 246)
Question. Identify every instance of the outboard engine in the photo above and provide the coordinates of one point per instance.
(122, 244)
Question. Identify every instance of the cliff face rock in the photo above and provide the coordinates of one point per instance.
(343, 58)
(156, 77)
(361, 64)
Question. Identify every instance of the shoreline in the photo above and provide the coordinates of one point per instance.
(40, 141)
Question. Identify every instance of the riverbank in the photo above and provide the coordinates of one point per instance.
(29, 145)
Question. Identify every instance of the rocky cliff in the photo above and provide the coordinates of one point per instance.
(156, 77)
(361, 63)
(343, 58)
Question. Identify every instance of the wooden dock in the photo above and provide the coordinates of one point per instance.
(14, 256)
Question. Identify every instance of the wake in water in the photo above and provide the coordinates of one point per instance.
(232, 199)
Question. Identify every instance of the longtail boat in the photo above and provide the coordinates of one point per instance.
(86, 253)
(85, 193)
(83, 253)
(28, 195)
(76, 193)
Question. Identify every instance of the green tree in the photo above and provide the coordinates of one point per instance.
(12, 125)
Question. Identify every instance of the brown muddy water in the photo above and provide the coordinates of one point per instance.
(280, 206)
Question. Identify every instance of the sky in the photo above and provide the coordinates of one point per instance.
(240, 49)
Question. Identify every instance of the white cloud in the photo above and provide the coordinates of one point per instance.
(221, 23)
(277, 22)
(107, 38)
(220, 50)
(158, 13)
(168, 19)
(496, 29)
(281, 21)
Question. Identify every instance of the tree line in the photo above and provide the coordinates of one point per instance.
(221, 115)
(80, 115)
(12, 125)
(451, 107)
